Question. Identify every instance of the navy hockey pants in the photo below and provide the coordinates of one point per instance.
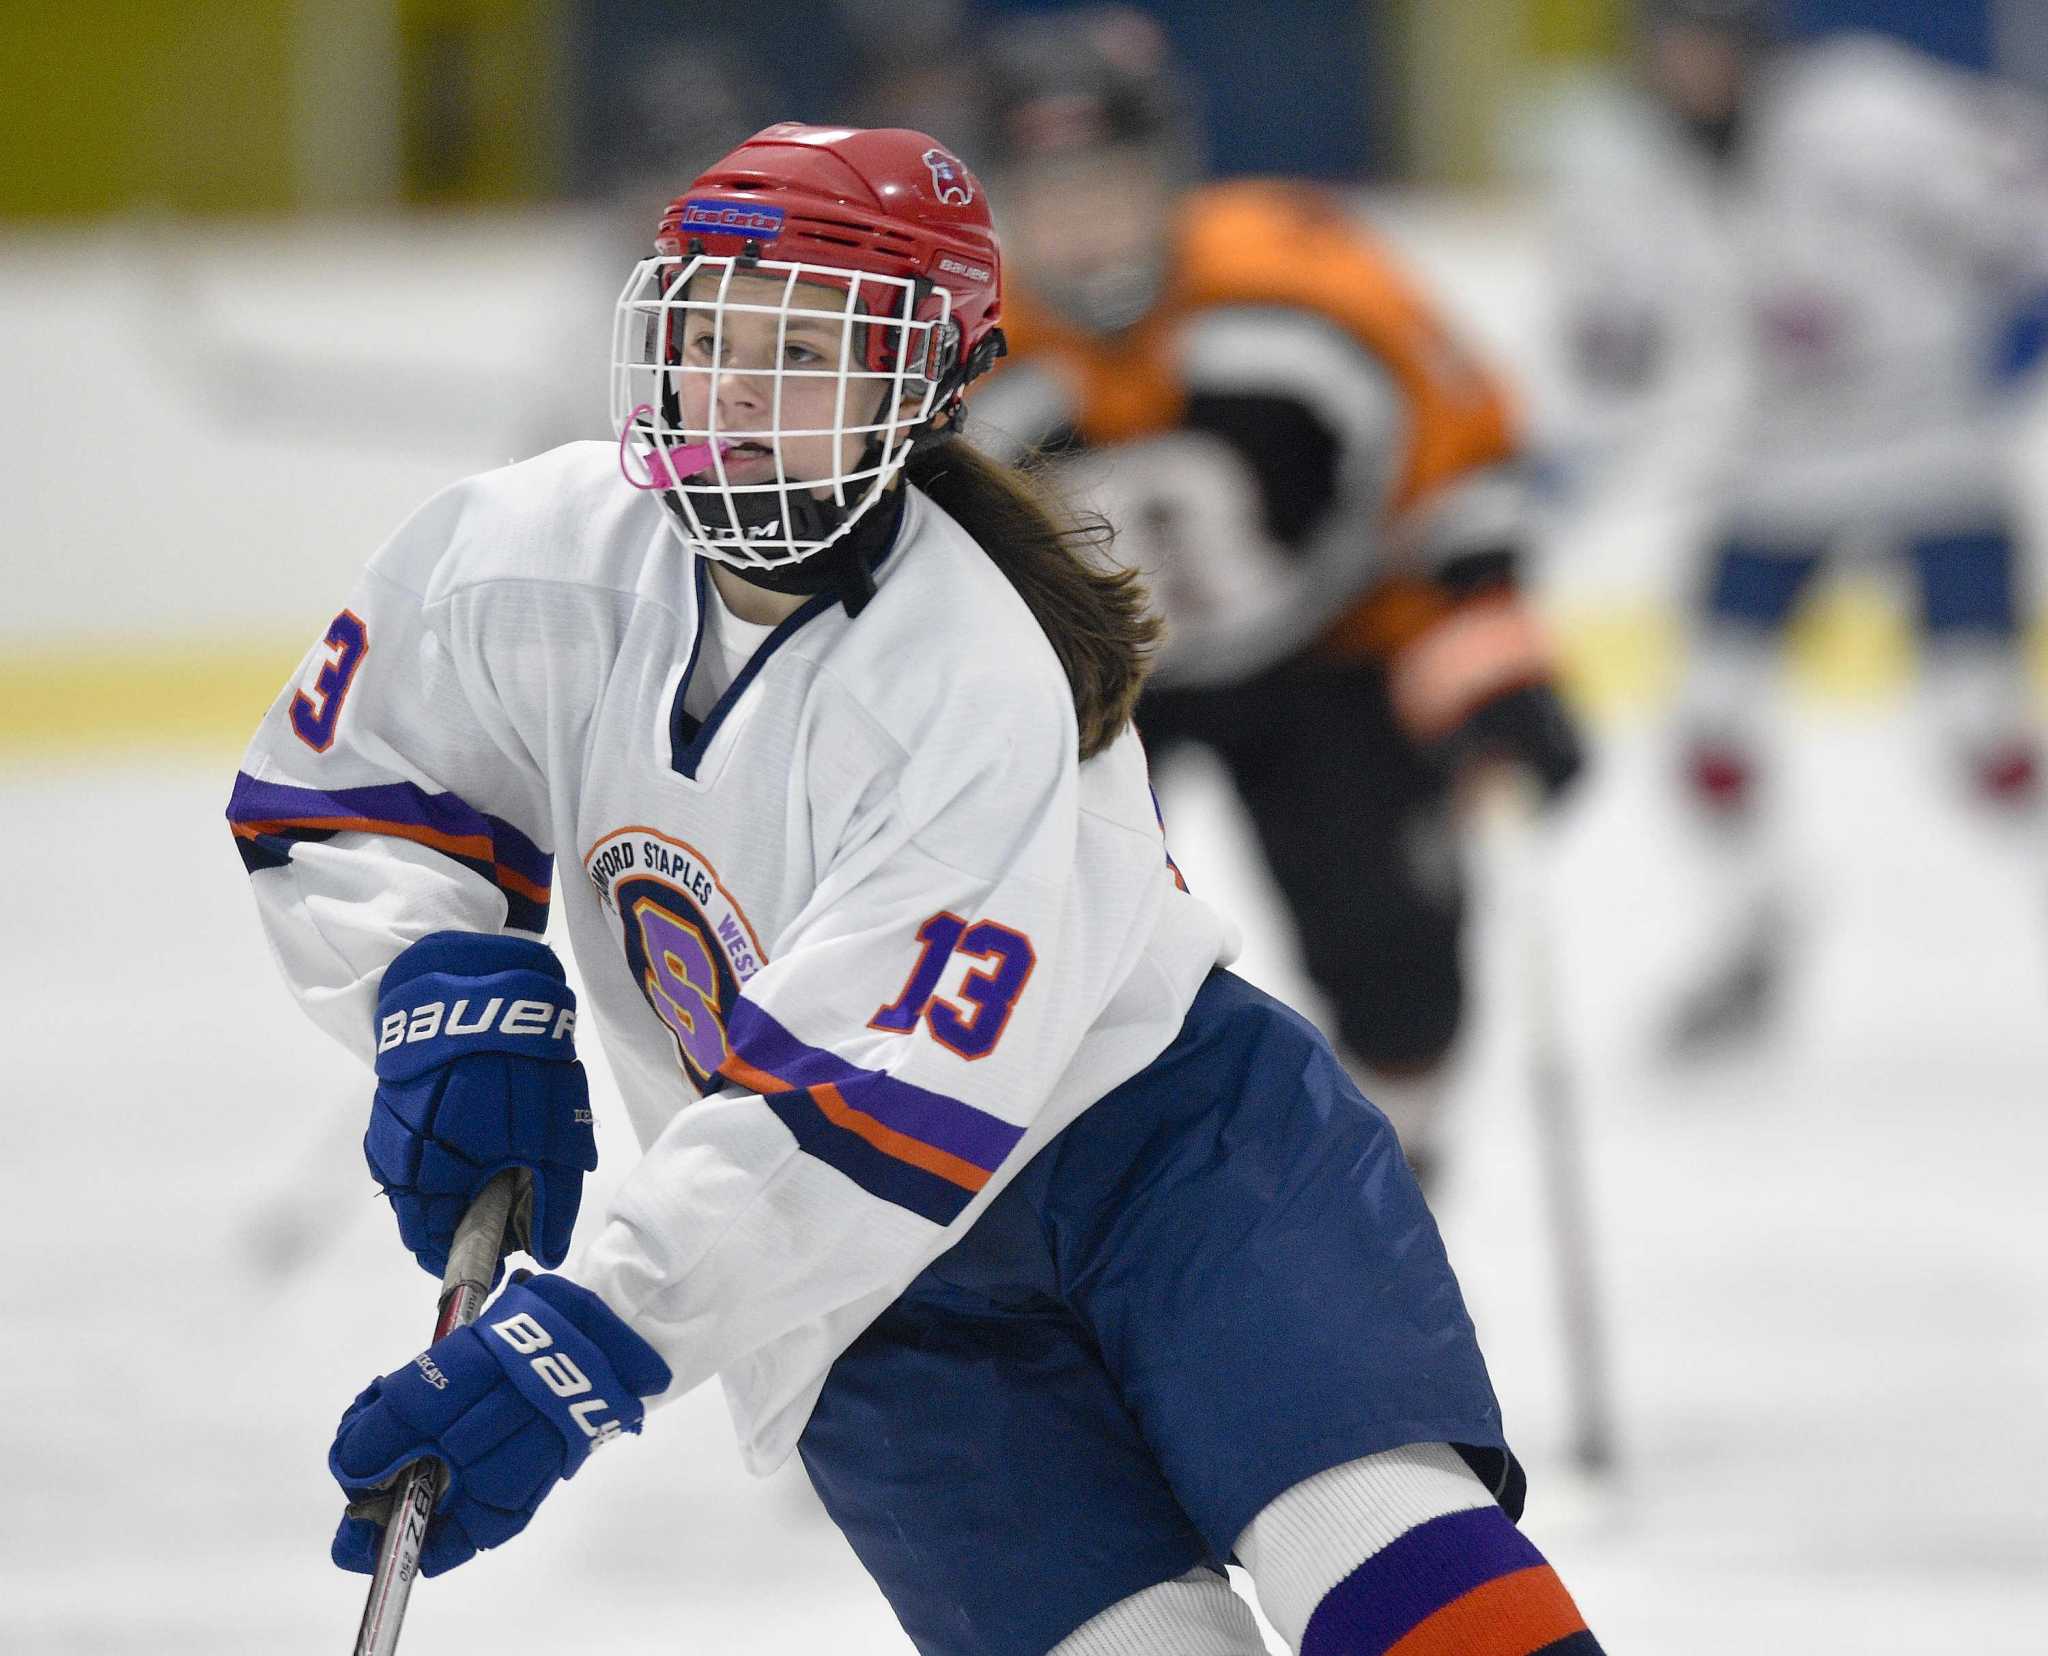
(1968, 584)
(1217, 1282)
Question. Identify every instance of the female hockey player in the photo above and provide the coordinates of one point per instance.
(1069, 1263)
(1318, 482)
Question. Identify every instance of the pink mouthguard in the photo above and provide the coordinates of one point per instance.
(667, 467)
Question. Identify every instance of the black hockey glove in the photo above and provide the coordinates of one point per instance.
(1475, 684)
(1528, 726)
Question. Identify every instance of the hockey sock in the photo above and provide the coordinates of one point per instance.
(1727, 681)
(1405, 1553)
(1980, 698)
(1195, 1615)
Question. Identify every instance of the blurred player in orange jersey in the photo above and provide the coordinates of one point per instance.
(1320, 484)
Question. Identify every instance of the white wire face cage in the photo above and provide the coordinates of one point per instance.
(696, 375)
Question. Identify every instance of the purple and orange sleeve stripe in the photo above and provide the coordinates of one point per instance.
(1464, 1584)
(1159, 815)
(269, 818)
(919, 1149)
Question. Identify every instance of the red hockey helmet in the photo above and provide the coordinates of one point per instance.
(888, 218)
(886, 200)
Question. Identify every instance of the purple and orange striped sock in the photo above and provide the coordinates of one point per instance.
(1460, 1584)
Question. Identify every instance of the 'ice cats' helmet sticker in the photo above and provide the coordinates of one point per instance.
(756, 221)
(688, 944)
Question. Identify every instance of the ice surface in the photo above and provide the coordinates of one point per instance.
(1824, 1274)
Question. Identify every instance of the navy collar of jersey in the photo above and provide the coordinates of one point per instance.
(689, 737)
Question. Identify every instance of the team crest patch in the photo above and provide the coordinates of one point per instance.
(951, 181)
(689, 944)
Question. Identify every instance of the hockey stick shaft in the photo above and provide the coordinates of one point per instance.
(1561, 1147)
(472, 1263)
(1584, 1337)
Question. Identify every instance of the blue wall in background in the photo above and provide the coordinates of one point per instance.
(1307, 87)
(1960, 30)
(1306, 78)
(1286, 86)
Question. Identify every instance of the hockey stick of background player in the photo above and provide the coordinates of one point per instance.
(1517, 835)
(472, 1263)
(1561, 1147)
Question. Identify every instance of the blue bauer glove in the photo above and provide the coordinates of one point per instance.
(509, 1406)
(477, 1071)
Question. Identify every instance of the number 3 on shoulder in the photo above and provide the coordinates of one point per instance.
(315, 712)
(989, 991)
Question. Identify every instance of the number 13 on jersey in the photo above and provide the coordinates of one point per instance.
(989, 991)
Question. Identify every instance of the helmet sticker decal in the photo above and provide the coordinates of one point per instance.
(950, 180)
(759, 222)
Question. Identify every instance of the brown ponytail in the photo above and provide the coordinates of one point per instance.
(1095, 612)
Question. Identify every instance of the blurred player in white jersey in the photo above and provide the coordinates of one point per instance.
(1070, 1264)
(1320, 483)
(1858, 233)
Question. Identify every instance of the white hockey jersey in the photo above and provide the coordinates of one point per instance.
(1864, 252)
(860, 935)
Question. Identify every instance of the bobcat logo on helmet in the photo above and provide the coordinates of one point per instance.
(950, 180)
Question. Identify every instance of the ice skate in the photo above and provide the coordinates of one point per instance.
(1734, 1006)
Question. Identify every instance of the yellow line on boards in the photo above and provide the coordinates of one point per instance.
(1853, 645)
(144, 697)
